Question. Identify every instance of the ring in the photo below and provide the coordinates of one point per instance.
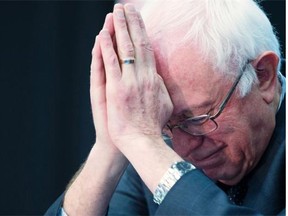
(127, 61)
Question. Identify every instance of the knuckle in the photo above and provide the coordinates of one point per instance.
(143, 44)
(148, 85)
(140, 42)
(105, 43)
(141, 23)
(122, 24)
(149, 47)
(127, 49)
(112, 61)
(133, 19)
(126, 94)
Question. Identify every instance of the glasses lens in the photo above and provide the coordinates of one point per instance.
(198, 120)
(199, 126)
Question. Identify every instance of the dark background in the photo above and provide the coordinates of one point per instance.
(46, 125)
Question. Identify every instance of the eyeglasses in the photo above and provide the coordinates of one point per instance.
(203, 124)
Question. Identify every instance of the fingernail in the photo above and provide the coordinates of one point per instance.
(118, 6)
(119, 14)
(130, 8)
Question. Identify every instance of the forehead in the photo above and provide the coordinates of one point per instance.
(192, 83)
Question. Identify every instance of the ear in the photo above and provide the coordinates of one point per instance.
(266, 69)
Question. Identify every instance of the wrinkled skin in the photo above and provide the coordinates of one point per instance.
(231, 151)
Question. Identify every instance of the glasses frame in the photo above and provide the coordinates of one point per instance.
(208, 116)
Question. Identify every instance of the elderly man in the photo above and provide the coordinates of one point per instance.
(195, 105)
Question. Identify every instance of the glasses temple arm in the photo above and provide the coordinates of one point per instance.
(229, 94)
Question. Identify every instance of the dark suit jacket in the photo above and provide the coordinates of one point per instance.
(196, 194)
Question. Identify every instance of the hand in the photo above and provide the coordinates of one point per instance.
(138, 103)
(128, 101)
(95, 182)
(98, 92)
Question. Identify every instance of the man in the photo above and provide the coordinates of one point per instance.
(206, 80)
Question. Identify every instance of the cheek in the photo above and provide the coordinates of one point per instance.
(238, 157)
(239, 135)
(239, 160)
(241, 155)
(247, 140)
(239, 139)
(253, 128)
(235, 160)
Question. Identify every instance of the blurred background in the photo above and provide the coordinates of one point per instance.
(46, 121)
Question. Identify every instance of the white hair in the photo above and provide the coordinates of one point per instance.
(227, 32)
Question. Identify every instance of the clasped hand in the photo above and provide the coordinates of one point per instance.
(128, 100)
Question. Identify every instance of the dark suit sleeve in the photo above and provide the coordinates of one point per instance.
(55, 208)
(193, 194)
(196, 194)
(129, 196)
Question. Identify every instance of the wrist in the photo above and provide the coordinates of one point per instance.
(169, 179)
(138, 139)
(151, 157)
(107, 158)
(91, 191)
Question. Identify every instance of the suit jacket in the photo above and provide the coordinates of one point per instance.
(196, 194)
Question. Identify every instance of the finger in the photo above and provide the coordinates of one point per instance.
(97, 86)
(124, 44)
(148, 46)
(97, 68)
(138, 35)
(109, 25)
(110, 59)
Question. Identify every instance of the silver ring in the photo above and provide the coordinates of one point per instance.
(127, 61)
